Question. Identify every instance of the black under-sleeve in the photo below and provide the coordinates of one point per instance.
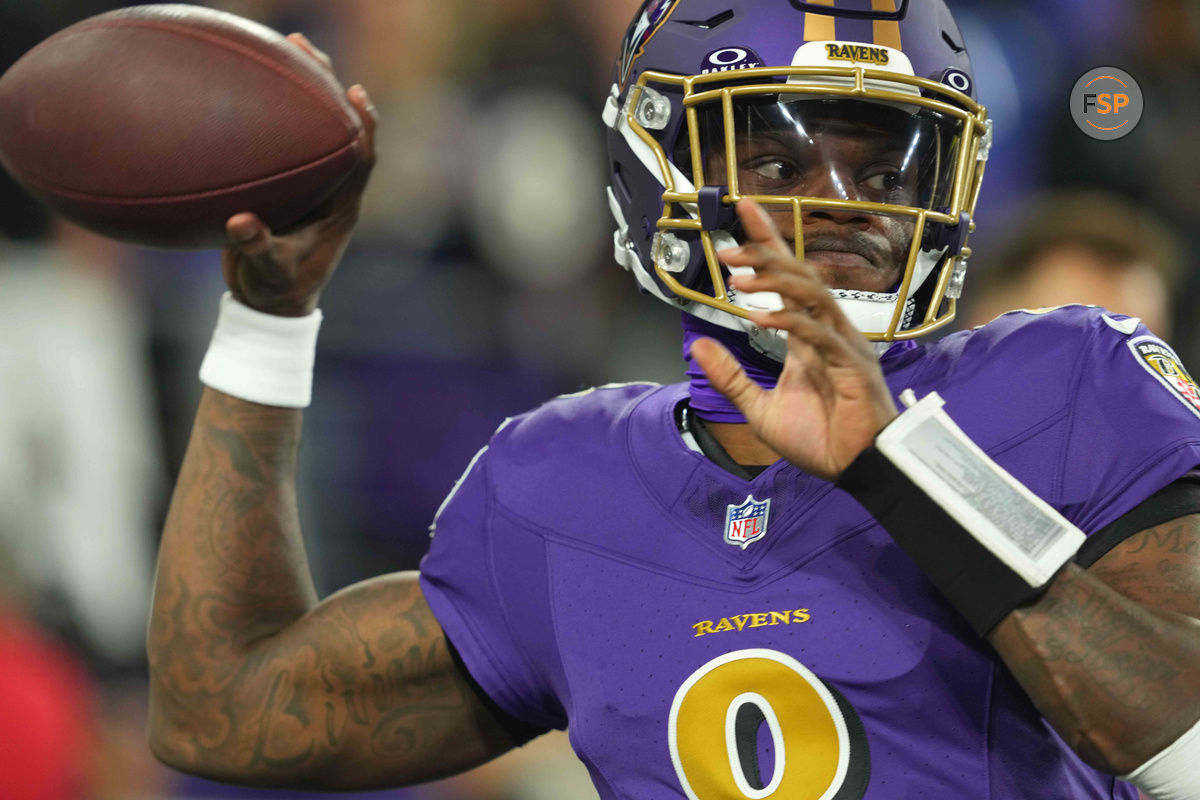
(688, 422)
(1174, 500)
(520, 731)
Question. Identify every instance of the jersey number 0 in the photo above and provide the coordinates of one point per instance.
(717, 719)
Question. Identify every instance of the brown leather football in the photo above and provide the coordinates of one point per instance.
(157, 123)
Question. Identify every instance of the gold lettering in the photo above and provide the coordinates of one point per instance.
(739, 622)
(857, 52)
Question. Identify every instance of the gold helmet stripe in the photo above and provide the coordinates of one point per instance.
(887, 32)
(818, 27)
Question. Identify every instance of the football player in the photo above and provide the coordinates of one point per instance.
(836, 563)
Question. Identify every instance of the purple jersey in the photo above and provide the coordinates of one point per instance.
(710, 637)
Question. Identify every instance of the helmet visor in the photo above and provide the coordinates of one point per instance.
(783, 146)
(857, 176)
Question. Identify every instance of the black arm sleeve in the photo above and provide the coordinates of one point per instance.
(966, 571)
(520, 732)
(1174, 500)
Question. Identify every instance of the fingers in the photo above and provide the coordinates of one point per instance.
(801, 293)
(339, 212)
(727, 376)
(807, 331)
(796, 283)
(301, 41)
(778, 270)
(810, 314)
(358, 97)
(760, 228)
(766, 247)
(248, 234)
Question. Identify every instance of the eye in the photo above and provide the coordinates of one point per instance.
(776, 170)
(884, 181)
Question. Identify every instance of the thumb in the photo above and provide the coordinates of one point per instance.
(726, 374)
(248, 234)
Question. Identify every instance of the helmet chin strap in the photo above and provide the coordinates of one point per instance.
(867, 311)
(872, 311)
(768, 341)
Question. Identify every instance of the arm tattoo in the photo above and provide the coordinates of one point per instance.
(252, 680)
(1174, 537)
(1111, 656)
(1087, 630)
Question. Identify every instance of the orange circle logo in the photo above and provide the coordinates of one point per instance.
(1106, 103)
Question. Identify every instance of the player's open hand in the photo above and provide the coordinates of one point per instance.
(284, 274)
(831, 399)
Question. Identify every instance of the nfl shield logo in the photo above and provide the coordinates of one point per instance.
(746, 523)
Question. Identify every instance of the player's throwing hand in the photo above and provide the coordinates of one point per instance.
(284, 274)
(831, 399)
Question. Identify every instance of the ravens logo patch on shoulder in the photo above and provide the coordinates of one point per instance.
(1157, 358)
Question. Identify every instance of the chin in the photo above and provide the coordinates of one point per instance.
(857, 278)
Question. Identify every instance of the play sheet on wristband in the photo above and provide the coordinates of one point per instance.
(1020, 528)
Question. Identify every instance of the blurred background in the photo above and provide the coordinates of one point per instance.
(480, 283)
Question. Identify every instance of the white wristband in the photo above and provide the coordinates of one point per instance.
(260, 357)
(1172, 774)
(1017, 526)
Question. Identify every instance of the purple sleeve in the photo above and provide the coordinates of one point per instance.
(485, 580)
(1134, 424)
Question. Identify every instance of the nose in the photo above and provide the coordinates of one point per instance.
(828, 183)
(851, 217)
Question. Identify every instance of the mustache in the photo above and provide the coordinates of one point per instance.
(859, 242)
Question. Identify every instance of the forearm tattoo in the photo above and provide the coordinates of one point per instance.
(1111, 656)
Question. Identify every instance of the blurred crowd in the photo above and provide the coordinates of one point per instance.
(479, 284)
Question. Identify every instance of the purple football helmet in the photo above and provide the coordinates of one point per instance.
(855, 124)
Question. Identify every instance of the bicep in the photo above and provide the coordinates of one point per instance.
(1158, 567)
(363, 692)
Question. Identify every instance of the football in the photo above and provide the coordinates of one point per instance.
(155, 124)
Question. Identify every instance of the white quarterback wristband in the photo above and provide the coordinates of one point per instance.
(260, 357)
(987, 542)
(1020, 528)
(1172, 774)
